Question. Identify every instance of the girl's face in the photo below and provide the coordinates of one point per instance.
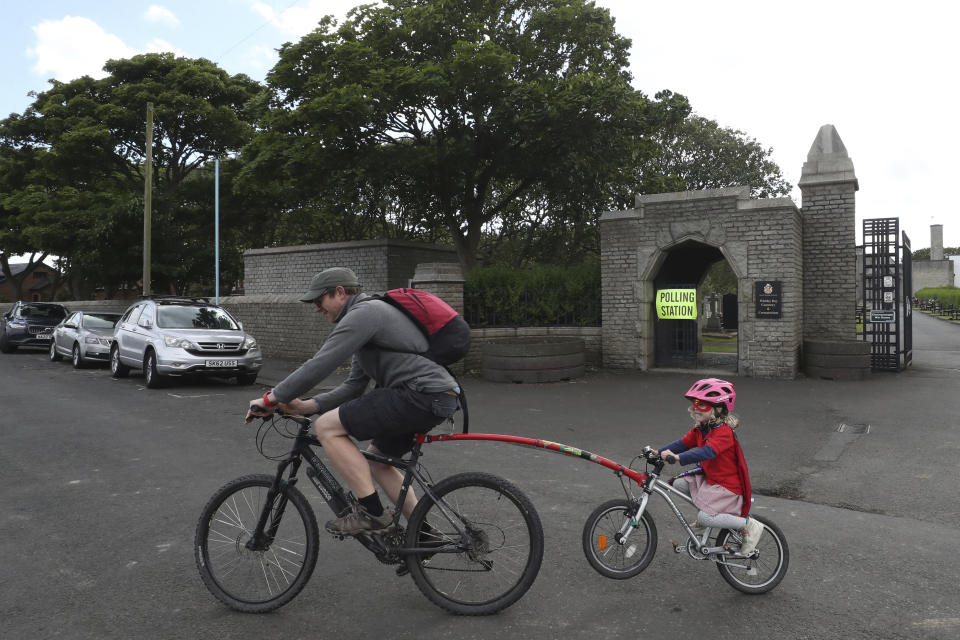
(701, 411)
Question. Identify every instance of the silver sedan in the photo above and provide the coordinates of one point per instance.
(84, 336)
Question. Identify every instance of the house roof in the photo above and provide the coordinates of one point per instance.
(16, 268)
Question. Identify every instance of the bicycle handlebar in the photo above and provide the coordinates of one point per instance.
(654, 456)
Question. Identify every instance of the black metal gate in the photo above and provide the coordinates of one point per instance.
(886, 291)
(677, 343)
(907, 300)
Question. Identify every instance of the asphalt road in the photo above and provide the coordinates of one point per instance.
(102, 482)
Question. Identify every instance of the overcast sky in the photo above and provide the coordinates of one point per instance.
(882, 72)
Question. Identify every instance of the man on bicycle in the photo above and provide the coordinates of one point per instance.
(412, 394)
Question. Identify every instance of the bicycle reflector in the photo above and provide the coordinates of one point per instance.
(602, 542)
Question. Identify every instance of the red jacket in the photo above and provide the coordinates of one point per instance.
(728, 468)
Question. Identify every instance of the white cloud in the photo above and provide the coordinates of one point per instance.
(73, 47)
(158, 45)
(296, 22)
(262, 57)
(157, 13)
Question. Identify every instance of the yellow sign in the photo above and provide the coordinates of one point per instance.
(677, 304)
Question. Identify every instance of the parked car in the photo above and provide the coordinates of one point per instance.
(173, 336)
(84, 336)
(30, 324)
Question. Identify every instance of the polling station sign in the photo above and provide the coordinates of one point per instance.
(676, 304)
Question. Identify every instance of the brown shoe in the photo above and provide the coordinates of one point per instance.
(360, 521)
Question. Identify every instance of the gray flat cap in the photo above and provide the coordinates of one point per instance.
(328, 279)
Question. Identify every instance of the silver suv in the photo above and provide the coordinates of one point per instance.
(174, 336)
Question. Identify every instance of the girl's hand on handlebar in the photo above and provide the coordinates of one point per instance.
(669, 456)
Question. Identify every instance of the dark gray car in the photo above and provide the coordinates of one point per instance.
(85, 336)
(30, 324)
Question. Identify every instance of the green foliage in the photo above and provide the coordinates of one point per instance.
(719, 279)
(540, 295)
(704, 155)
(946, 295)
(456, 116)
(77, 159)
(924, 254)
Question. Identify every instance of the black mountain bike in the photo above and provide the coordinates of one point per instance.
(473, 545)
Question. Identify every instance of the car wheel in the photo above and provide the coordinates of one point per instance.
(77, 360)
(152, 377)
(5, 345)
(117, 368)
(54, 356)
(246, 378)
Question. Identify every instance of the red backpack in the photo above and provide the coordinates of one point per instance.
(447, 333)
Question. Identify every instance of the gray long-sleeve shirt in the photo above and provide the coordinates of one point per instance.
(383, 344)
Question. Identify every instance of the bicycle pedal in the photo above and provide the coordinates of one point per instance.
(678, 548)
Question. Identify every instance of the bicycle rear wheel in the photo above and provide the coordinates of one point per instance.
(605, 554)
(499, 561)
(762, 572)
(262, 580)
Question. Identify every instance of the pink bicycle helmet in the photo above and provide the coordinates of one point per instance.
(713, 390)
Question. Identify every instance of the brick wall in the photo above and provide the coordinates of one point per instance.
(379, 264)
(760, 239)
(830, 261)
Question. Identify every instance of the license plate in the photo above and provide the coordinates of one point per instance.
(221, 363)
(45, 334)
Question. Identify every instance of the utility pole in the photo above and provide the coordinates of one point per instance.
(147, 201)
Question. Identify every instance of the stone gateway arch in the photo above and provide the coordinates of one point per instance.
(796, 268)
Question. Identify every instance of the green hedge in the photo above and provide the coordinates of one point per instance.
(946, 295)
(538, 296)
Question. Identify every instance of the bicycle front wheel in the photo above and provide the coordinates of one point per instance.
(601, 532)
(494, 563)
(256, 580)
(763, 571)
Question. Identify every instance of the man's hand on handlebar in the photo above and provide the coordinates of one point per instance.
(257, 410)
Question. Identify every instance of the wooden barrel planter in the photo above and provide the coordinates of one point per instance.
(836, 359)
(543, 359)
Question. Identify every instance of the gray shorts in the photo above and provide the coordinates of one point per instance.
(391, 417)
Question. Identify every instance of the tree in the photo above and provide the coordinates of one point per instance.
(82, 187)
(704, 155)
(453, 115)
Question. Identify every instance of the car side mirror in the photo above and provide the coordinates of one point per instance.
(145, 323)
(70, 325)
(240, 324)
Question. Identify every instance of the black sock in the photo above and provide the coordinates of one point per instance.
(371, 504)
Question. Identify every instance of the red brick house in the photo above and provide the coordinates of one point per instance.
(38, 287)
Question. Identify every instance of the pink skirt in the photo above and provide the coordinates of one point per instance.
(713, 499)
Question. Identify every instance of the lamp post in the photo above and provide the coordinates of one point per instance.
(216, 228)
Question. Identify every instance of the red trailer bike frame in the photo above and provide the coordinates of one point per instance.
(547, 445)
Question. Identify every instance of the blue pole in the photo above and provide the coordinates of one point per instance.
(216, 228)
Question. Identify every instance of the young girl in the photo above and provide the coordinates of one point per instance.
(722, 491)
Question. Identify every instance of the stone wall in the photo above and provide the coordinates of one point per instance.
(932, 273)
(379, 264)
(592, 338)
(760, 239)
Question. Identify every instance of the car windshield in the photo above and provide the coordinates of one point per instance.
(189, 317)
(100, 320)
(42, 312)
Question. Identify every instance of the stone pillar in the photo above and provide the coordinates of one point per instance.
(445, 280)
(828, 184)
(936, 242)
